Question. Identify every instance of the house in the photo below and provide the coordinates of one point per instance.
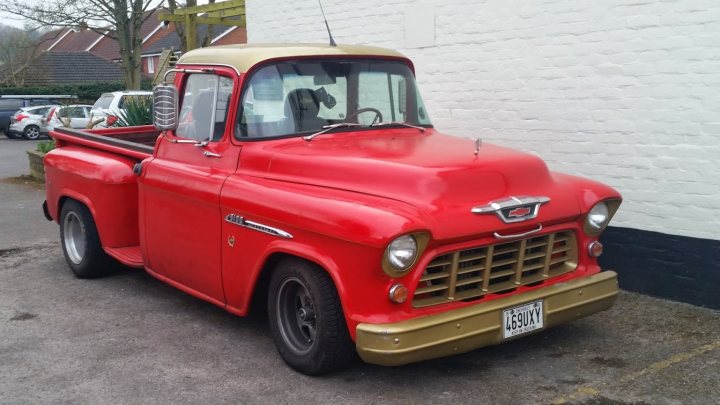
(159, 41)
(157, 37)
(63, 67)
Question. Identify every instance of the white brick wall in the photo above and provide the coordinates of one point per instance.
(625, 92)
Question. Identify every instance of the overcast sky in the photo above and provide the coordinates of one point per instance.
(9, 19)
(15, 21)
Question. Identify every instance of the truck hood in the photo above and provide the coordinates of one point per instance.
(440, 175)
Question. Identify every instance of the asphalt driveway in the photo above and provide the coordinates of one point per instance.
(129, 338)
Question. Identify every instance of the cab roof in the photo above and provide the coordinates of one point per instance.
(243, 57)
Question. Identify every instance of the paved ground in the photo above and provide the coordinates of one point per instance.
(21, 219)
(131, 339)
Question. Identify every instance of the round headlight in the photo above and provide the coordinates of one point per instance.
(401, 252)
(598, 217)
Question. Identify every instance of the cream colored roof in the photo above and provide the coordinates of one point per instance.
(243, 57)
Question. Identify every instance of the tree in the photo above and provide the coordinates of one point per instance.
(120, 20)
(17, 51)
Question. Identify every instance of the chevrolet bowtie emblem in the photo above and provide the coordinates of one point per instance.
(513, 209)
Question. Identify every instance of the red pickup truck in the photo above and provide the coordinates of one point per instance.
(312, 176)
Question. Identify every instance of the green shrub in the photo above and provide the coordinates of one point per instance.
(86, 92)
(138, 111)
(45, 146)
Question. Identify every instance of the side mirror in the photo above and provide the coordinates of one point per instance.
(165, 107)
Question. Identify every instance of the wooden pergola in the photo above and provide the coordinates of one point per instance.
(230, 13)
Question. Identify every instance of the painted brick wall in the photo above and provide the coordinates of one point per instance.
(625, 92)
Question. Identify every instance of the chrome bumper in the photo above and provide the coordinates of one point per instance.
(469, 328)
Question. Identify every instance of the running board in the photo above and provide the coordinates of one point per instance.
(129, 256)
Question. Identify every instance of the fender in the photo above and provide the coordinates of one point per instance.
(291, 248)
(589, 192)
(102, 181)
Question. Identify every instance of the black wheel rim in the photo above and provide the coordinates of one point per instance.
(296, 315)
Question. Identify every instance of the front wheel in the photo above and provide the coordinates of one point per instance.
(31, 132)
(306, 319)
(81, 242)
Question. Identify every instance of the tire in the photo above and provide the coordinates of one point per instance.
(11, 135)
(31, 132)
(306, 319)
(81, 243)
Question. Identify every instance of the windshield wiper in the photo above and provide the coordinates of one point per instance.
(383, 124)
(328, 128)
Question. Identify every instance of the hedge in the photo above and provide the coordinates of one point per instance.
(87, 92)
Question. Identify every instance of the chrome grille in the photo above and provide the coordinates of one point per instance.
(470, 274)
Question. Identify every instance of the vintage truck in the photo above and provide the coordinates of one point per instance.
(309, 178)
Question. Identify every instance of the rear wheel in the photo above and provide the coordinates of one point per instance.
(31, 132)
(11, 135)
(81, 243)
(306, 319)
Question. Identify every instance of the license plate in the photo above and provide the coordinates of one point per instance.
(522, 319)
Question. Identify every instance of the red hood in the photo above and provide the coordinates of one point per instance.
(438, 174)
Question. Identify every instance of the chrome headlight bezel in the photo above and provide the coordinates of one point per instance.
(599, 216)
(393, 264)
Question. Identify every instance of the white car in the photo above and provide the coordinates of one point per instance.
(111, 104)
(27, 122)
(70, 116)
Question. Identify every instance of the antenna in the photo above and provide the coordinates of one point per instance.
(332, 41)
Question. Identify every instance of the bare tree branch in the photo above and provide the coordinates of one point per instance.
(120, 20)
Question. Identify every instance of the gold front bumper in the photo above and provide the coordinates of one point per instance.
(461, 330)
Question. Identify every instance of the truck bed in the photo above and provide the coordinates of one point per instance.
(95, 168)
(135, 142)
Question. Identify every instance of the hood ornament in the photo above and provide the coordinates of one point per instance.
(513, 209)
(478, 144)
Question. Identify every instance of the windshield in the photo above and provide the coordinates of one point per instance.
(300, 97)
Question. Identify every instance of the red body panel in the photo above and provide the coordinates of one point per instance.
(342, 196)
(104, 182)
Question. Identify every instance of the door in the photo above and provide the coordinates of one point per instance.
(180, 189)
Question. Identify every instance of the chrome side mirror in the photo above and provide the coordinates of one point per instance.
(165, 107)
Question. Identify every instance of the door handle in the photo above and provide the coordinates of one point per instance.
(211, 154)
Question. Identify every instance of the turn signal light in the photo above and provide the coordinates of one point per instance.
(398, 293)
(595, 249)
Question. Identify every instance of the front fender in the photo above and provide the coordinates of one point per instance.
(345, 233)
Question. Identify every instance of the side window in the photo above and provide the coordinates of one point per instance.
(77, 112)
(11, 103)
(104, 101)
(204, 108)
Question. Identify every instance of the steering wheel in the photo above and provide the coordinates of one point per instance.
(378, 114)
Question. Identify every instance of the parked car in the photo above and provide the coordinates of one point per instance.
(112, 104)
(27, 122)
(10, 104)
(71, 116)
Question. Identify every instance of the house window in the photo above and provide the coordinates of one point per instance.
(151, 65)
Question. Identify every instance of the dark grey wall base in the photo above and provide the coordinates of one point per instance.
(668, 266)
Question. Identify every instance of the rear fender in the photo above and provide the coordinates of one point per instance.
(104, 183)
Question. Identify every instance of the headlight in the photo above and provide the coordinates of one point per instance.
(402, 252)
(597, 218)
